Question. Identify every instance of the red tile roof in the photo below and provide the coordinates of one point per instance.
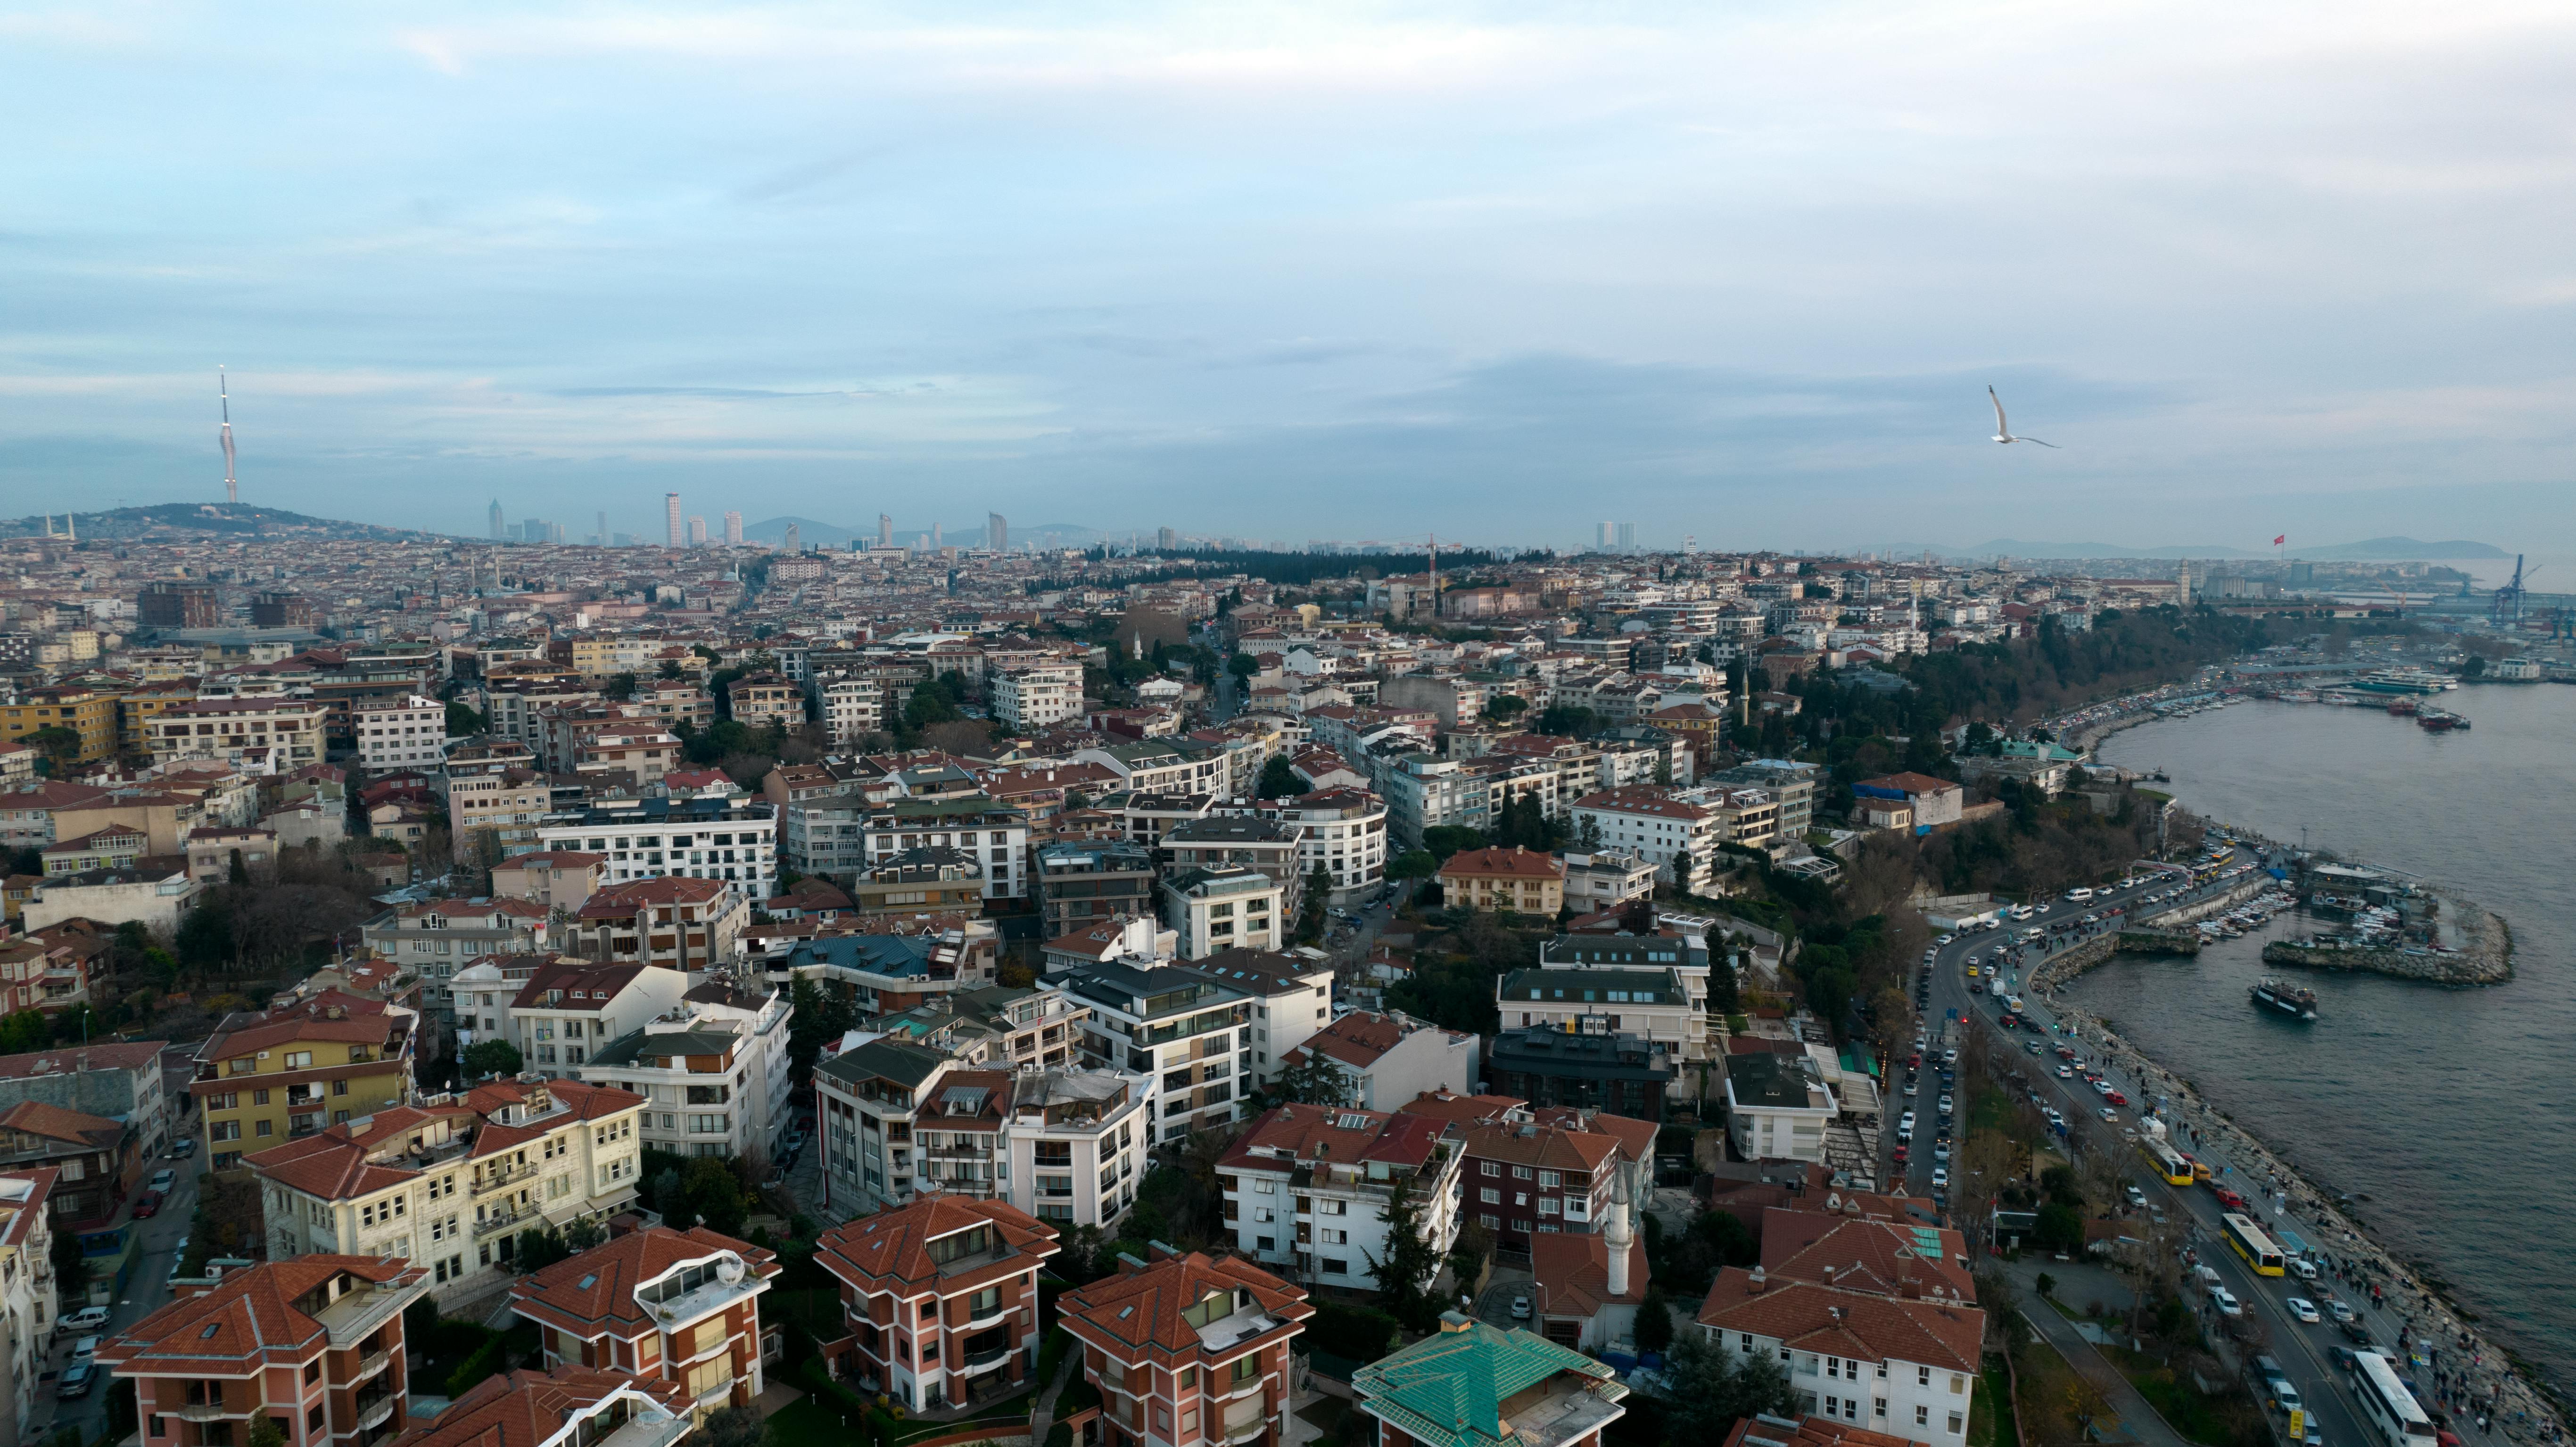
(53, 1122)
(890, 1251)
(525, 1408)
(1856, 1324)
(1136, 1314)
(267, 1310)
(1576, 1267)
(583, 1293)
(1513, 863)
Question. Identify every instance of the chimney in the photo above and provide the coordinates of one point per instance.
(1753, 1284)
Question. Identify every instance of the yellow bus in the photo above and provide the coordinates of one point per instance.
(2169, 1163)
(2253, 1245)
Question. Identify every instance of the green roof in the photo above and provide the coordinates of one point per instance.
(1449, 1390)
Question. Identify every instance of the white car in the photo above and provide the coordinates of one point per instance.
(87, 1319)
(1520, 1308)
(1945, 939)
(2066, 1072)
(162, 1181)
(85, 1348)
(2108, 1114)
(2304, 1309)
(1940, 1178)
(1905, 1124)
(1945, 1105)
(1949, 1057)
(2225, 1301)
(2101, 1087)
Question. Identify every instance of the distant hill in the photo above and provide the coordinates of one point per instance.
(2369, 550)
(813, 533)
(181, 519)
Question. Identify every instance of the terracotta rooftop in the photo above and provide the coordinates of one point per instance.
(270, 1310)
(582, 1293)
(1136, 1314)
(890, 1251)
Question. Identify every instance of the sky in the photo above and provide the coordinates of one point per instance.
(1741, 272)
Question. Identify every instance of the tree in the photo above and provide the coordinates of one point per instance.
(60, 746)
(1413, 864)
(1310, 910)
(715, 1193)
(1404, 1277)
(621, 687)
(1654, 1330)
(1318, 1079)
(71, 1265)
(23, 1031)
(1504, 707)
(491, 1057)
(733, 1427)
(1712, 1390)
(265, 1432)
(583, 1234)
(463, 721)
(2060, 1228)
(1279, 781)
(1243, 666)
(539, 1248)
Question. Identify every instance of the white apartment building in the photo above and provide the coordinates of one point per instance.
(29, 1303)
(994, 834)
(1390, 1059)
(1679, 838)
(1308, 1189)
(1291, 994)
(697, 838)
(1025, 699)
(452, 1183)
(1074, 1144)
(1228, 907)
(1343, 832)
(1778, 1106)
(712, 1074)
(1913, 1358)
(1652, 1004)
(569, 1008)
(406, 733)
(853, 708)
(1190, 1034)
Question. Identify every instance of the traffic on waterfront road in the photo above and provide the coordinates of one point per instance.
(2068, 1080)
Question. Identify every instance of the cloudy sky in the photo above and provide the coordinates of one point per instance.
(1306, 270)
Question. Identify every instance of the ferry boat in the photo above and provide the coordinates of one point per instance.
(2438, 721)
(2296, 1001)
(2403, 681)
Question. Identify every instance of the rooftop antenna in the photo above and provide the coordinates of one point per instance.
(223, 393)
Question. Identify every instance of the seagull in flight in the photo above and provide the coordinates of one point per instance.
(2004, 433)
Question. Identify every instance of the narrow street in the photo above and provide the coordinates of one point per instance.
(147, 1289)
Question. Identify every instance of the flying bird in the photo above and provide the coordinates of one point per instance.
(2003, 433)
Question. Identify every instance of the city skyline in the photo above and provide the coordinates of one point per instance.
(1734, 275)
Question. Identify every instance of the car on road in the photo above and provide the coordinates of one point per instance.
(2339, 1309)
(1520, 1308)
(2226, 1302)
(1949, 1057)
(87, 1319)
(2304, 1309)
(184, 1149)
(85, 1348)
(2137, 1198)
(1940, 1178)
(2031, 1045)
(76, 1381)
(2107, 1113)
(1945, 1105)
(162, 1181)
(1941, 1152)
(1905, 1124)
(1901, 1154)
(2066, 1072)
(2115, 1097)
(147, 1205)
(2342, 1357)
(2357, 1334)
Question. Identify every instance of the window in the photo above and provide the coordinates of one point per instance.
(1958, 1422)
(1958, 1383)
(1922, 1376)
(1547, 1180)
(1744, 1342)
(1922, 1416)
(299, 1059)
(1493, 1168)
(1335, 1265)
(1522, 1173)
(1489, 1196)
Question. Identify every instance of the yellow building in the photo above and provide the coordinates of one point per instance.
(86, 711)
(1504, 879)
(139, 706)
(291, 1074)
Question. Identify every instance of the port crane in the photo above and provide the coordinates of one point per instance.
(2507, 607)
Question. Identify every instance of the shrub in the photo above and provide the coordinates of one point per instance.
(1359, 1333)
(485, 1361)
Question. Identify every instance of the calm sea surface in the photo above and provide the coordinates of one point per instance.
(2453, 1110)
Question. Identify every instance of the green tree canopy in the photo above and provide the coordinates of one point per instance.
(1279, 781)
(491, 1057)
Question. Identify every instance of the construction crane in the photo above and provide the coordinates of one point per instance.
(2507, 607)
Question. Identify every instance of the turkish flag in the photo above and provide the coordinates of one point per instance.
(2283, 538)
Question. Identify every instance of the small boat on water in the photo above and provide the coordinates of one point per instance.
(2436, 721)
(2296, 1001)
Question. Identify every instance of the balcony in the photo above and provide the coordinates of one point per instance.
(361, 1313)
(1251, 1431)
(370, 1364)
(511, 1221)
(993, 1318)
(717, 1395)
(214, 1411)
(494, 1177)
(374, 1410)
(978, 1363)
(701, 1301)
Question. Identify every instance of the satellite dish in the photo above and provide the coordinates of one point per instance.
(729, 1269)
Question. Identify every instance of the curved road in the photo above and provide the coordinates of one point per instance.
(1947, 1001)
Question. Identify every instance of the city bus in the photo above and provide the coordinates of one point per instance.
(2252, 1244)
(2169, 1163)
(2386, 1405)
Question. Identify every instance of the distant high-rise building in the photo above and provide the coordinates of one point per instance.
(1690, 545)
(1604, 535)
(935, 539)
(1166, 538)
(671, 518)
(1627, 537)
(697, 531)
(997, 533)
(885, 531)
(602, 539)
(795, 542)
(733, 529)
(500, 525)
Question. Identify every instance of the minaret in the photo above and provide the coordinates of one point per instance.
(1617, 1235)
(223, 394)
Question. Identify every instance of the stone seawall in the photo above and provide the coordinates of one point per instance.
(2147, 935)
(2481, 964)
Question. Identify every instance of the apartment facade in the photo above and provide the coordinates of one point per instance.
(1513, 879)
(941, 1299)
(315, 1345)
(759, 700)
(439, 938)
(409, 732)
(296, 1073)
(1340, 831)
(1081, 884)
(263, 734)
(689, 925)
(1900, 1364)
(1186, 1032)
(569, 1008)
(1679, 838)
(1188, 1350)
(995, 834)
(853, 709)
(1036, 697)
(714, 1079)
(698, 838)
(681, 1308)
(1310, 1189)
(453, 1184)
(1228, 906)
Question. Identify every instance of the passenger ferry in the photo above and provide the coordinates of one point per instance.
(2403, 681)
(2296, 1001)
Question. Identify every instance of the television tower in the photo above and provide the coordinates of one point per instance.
(223, 394)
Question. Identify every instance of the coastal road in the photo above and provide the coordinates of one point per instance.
(2301, 1349)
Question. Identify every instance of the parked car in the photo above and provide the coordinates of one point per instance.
(1520, 1308)
(76, 1381)
(162, 1180)
(147, 1204)
(87, 1319)
(184, 1149)
(85, 1348)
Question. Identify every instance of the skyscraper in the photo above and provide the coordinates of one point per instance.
(1603, 535)
(795, 542)
(697, 531)
(671, 519)
(733, 529)
(1627, 537)
(997, 533)
(935, 540)
(602, 539)
(1166, 539)
(885, 531)
(500, 525)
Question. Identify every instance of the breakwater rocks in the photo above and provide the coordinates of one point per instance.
(2076, 960)
(2485, 958)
